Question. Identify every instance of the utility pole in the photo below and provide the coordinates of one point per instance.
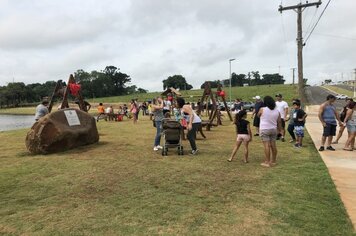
(293, 69)
(299, 9)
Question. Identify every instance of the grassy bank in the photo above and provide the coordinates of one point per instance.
(339, 90)
(245, 93)
(121, 187)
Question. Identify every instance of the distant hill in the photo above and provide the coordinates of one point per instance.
(245, 93)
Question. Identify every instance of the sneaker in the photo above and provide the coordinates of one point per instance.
(256, 135)
(292, 141)
(321, 149)
(194, 152)
(297, 145)
(330, 148)
(282, 139)
(155, 148)
(159, 147)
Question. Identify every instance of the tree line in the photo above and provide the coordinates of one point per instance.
(252, 78)
(108, 82)
(112, 82)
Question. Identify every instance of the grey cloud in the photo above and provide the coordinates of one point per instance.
(151, 40)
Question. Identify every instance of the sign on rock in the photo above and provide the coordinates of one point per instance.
(72, 117)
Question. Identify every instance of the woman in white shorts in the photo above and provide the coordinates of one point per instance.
(350, 122)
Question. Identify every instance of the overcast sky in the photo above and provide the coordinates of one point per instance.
(43, 40)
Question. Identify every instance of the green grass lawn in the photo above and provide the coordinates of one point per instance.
(245, 93)
(120, 186)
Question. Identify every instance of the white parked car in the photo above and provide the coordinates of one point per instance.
(341, 96)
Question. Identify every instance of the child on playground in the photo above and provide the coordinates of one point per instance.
(299, 120)
(244, 136)
(101, 111)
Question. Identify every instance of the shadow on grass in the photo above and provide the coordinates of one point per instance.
(65, 152)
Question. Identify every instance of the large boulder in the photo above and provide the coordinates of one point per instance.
(62, 130)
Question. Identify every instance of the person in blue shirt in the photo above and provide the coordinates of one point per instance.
(328, 117)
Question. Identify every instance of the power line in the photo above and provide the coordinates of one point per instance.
(335, 36)
(317, 21)
(311, 21)
(285, 40)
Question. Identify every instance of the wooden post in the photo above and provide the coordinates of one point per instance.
(58, 86)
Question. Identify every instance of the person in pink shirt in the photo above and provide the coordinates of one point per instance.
(270, 127)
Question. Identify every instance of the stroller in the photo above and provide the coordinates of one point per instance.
(172, 135)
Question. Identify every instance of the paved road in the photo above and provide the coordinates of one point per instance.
(317, 95)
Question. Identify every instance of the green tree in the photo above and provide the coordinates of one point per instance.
(141, 90)
(272, 79)
(177, 82)
(237, 79)
(256, 78)
(213, 84)
(118, 79)
(327, 81)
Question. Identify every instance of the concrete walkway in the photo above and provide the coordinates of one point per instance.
(341, 164)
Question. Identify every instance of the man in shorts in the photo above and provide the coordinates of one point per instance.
(282, 107)
(328, 116)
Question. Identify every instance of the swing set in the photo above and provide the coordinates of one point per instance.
(214, 113)
(62, 91)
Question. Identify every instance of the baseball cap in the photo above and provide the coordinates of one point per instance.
(278, 95)
(257, 97)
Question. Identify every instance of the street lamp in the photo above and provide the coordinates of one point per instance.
(230, 60)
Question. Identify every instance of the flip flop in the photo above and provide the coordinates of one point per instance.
(348, 149)
(265, 165)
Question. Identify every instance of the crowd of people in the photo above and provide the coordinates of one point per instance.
(330, 118)
(269, 118)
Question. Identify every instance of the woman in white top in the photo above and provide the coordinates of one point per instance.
(193, 120)
(270, 126)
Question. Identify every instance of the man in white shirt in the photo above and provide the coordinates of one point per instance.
(282, 107)
(41, 110)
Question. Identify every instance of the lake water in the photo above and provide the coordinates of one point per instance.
(11, 122)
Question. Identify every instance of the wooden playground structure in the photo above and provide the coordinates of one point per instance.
(62, 91)
(214, 112)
